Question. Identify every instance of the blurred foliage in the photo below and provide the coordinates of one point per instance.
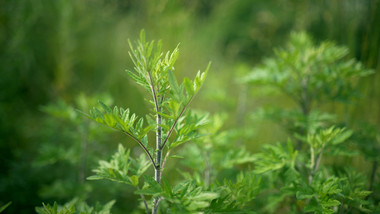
(55, 53)
(310, 74)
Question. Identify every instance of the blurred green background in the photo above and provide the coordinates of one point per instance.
(58, 56)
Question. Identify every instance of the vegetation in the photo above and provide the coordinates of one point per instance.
(285, 121)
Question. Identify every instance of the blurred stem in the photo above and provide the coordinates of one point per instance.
(304, 103)
(83, 162)
(207, 169)
(241, 107)
(144, 200)
(341, 208)
(315, 162)
(373, 175)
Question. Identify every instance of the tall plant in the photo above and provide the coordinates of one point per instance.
(310, 74)
(168, 120)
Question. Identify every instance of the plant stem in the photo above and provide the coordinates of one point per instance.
(207, 172)
(341, 208)
(83, 162)
(176, 121)
(314, 165)
(144, 200)
(157, 175)
(157, 170)
(373, 175)
(164, 162)
(144, 148)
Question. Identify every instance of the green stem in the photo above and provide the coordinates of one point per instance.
(144, 200)
(314, 165)
(157, 170)
(176, 121)
(144, 148)
(373, 175)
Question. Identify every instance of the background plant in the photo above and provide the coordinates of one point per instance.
(311, 75)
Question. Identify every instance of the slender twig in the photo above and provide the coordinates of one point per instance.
(153, 91)
(176, 120)
(157, 203)
(341, 208)
(315, 166)
(144, 200)
(319, 158)
(145, 149)
(207, 171)
(164, 162)
(84, 144)
(373, 175)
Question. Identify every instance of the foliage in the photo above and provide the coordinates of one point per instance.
(154, 72)
(51, 51)
(75, 206)
(310, 74)
(292, 176)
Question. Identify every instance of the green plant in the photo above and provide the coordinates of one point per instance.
(300, 175)
(169, 120)
(310, 74)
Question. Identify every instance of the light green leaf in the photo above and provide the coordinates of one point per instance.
(134, 180)
(2, 208)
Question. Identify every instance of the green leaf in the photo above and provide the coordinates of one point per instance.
(174, 84)
(105, 107)
(188, 86)
(206, 196)
(47, 209)
(341, 137)
(134, 180)
(194, 205)
(2, 208)
(176, 156)
(94, 177)
(151, 187)
(330, 203)
(302, 195)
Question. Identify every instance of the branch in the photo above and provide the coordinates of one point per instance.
(318, 161)
(153, 91)
(145, 149)
(164, 162)
(144, 200)
(158, 202)
(314, 165)
(176, 120)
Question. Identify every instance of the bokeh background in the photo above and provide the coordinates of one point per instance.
(58, 56)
